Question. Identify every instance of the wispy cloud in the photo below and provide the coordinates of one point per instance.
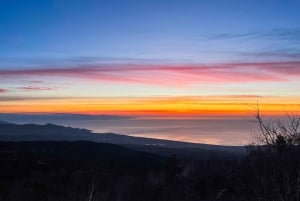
(288, 53)
(290, 34)
(165, 75)
(28, 98)
(3, 90)
(34, 81)
(37, 88)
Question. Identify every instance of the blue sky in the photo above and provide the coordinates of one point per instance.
(127, 48)
(186, 59)
(156, 30)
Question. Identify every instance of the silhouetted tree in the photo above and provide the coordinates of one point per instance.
(278, 135)
(273, 164)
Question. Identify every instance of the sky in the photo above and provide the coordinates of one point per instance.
(155, 59)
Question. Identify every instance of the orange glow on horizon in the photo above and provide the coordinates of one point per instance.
(157, 106)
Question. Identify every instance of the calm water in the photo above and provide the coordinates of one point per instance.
(214, 131)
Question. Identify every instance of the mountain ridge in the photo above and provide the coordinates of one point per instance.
(52, 132)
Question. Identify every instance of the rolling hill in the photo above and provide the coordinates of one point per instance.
(51, 132)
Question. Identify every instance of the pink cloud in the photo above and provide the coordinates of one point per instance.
(3, 90)
(169, 75)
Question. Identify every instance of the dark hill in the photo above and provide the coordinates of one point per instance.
(51, 132)
(48, 132)
(79, 154)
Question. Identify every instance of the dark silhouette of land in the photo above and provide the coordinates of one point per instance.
(50, 162)
(51, 132)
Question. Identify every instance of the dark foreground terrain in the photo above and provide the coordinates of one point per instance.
(40, 165)
(54, 171)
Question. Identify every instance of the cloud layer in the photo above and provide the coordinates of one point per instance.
(181, 106)
(2, 90)
(37, 88)
(166, 75)
(289, 34)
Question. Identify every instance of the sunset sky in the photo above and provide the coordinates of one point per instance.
(150, 59)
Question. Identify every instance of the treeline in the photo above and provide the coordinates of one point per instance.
(86, 171)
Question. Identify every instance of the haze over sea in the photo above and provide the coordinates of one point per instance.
(225, 131)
